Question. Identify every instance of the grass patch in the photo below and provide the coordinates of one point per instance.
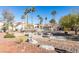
(8, 35)
(22, 38)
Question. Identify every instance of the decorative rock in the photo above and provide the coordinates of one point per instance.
(47, 47)
(33, 41)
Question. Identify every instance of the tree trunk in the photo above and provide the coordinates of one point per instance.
(66, 33)
(27, 21)
(32, 23)
(4, 29)
(32, 18)
(76, 31)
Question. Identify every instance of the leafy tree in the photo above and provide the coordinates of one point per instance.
(8, 19)
(70, 21)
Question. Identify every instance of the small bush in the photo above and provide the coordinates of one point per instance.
(8, 35)
(21, 39)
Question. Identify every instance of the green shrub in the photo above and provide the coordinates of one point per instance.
(8, 35)
(22, 38)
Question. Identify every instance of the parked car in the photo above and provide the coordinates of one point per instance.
(45, 34)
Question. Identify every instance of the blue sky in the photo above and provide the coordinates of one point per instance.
(44, 11)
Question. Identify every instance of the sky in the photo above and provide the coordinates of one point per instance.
(44, 11)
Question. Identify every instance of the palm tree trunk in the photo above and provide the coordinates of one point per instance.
(45, 21)
(32, 19)
(32, 22)
(27, 21)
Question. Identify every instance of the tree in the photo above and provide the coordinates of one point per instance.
(45, 19)
(53, 13)
(25, 15)
(70, 21)
(8, 19)
(40, 20)
(26, 12)
(52, 21)
(33, 10)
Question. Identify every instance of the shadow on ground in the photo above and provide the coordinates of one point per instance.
(61, 50)
(67, 36)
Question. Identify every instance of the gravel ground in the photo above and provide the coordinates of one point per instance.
(11, 46)
(70, 46)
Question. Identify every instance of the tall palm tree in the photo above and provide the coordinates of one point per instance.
(52, 21)
(45, 19)
(26, 12)
(53, 13)
(38, 17)
(33, 10)
(40, 20)
(23, 18)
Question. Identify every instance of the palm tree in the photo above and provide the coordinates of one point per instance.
(26, 12)
(53, 13)
(40, 20)
(45, 19)
(23, 18)
(32, 10)
(52, 21)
